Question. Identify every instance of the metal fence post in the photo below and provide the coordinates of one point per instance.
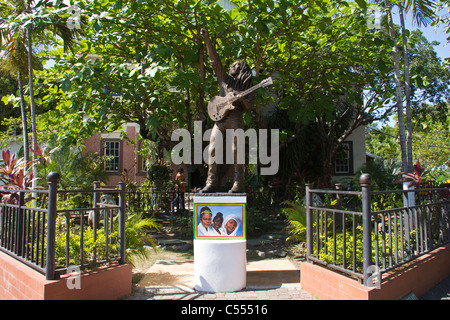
(309, 223)
(338, 187)
(96, 215)
(122, 240)
(53, 179)
(407, 224)
(365, 181)
(20, 226)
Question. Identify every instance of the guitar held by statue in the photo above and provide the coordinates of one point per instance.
(218, 107)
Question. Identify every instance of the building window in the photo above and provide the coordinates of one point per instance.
(111, 149)
(144, 167)
(142, 163)
(343, 163)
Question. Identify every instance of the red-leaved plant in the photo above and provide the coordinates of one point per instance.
(13, 176)
(413, 178)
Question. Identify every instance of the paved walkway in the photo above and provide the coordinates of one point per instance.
(441, 291)
(269, 279)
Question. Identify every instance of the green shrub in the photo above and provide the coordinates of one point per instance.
(296, 216)
(136, 236)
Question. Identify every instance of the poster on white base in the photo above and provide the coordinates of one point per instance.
(223, 221)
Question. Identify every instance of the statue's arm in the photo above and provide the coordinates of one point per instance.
(246, 104)
(213, 56)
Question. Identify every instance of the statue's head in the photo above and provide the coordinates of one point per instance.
(239, 67)
(242, 74)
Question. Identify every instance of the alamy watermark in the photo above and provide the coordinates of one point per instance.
(74, 280)
(74, 21)
(374, 20)
(258, 148)
(374, 280)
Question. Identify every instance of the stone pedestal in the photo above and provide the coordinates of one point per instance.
(220, 261)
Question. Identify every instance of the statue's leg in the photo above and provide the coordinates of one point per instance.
(238, 185)
(213, 177)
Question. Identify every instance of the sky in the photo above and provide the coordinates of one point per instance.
(431, 33)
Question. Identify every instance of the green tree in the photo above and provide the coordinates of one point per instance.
(423, 13)
(431, 124)
(144, 62)
(431, 136)
(383, 142)
(430, 78)
(21, 19)
(12, 41)
(8, 85)
(149, 64)
(430, 90)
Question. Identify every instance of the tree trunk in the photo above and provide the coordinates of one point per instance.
(398, 88)
(23, 111)
(32, 105)
(328, 153)
(407, 91)
(201, 107)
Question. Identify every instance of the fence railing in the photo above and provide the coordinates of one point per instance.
(47, 232)
(155, 203)
(358, 232)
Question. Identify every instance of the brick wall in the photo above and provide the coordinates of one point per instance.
(417, 276)
(19, 282)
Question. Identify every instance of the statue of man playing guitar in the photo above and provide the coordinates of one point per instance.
(239, 79)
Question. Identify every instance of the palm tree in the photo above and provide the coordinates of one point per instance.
(11, 9)
(422, 11)
(16, 56)
(423, 14)
(398, 87)
(409, 165)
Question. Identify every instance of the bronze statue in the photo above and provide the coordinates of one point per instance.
(227, 111)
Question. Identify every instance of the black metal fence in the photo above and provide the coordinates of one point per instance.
(155, 202)
(359, 232)
(47, 232)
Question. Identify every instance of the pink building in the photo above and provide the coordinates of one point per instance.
(125, 160)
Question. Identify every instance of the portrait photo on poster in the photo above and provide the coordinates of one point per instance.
(219, 221)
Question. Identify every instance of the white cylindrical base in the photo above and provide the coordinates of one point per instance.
(220, 265)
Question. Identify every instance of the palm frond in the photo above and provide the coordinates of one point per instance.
(422, 11)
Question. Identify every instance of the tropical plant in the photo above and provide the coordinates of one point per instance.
(415, 178)
(296, 216)
(43, 155)
(136, 233)
(14, 177)
(423, 13)
(77, 170)
(383, 173)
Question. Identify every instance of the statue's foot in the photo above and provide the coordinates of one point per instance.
(209, 188)
(237, 188)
